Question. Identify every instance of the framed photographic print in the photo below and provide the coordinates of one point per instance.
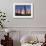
(22, 10)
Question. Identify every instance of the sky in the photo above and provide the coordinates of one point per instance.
(18, 7)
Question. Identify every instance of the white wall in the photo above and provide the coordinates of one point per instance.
(39, 14)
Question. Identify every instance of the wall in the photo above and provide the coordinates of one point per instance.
(39, 14)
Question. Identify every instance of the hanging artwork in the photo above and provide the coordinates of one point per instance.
(22, 10)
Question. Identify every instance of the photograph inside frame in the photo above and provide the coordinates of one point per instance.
(23, 10)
